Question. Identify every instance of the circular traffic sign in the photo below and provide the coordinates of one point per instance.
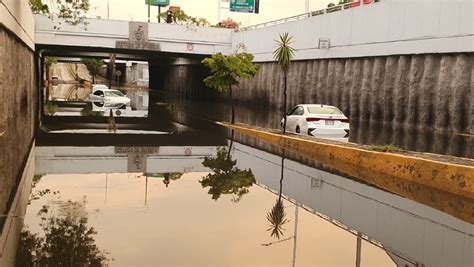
(118, 73)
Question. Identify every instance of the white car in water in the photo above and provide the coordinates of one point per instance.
(109, 97)
(314, 119)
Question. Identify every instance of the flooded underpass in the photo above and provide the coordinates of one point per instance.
(179, 200)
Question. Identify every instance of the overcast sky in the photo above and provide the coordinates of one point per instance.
(136, 10)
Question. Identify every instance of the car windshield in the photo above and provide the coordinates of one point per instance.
(324, 110)
(113, 93)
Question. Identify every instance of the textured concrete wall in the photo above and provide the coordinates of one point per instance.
(18, 109)
(413, 101)
(424, 91)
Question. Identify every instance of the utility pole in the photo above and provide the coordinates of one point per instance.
(149, 12)
(159, 12)
(219, 11)
(358, 250)
(306, 8)
(108, 9)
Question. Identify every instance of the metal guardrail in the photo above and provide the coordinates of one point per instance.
(355, 3)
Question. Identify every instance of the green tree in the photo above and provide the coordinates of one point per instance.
(226, 71)
(226, 178)
(283, 54)
(94, 65)
(71, 11)
(180, 17)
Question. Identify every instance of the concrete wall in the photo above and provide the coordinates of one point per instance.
(18, 95)
(425, 91)
(389, 27)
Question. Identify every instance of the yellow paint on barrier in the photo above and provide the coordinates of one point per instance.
(380, 168)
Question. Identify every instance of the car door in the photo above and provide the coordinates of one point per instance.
(298, 118)
(292, 119)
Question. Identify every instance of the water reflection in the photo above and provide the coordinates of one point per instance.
(362, 132)
(65, 238)
(277, 215)
(335, 212)
(81, 100)
(226, 178)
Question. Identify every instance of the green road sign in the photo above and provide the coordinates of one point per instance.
(157, 2)
(246, 6)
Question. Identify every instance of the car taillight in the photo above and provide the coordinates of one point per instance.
(312, 119)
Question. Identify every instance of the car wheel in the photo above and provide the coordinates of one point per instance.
(297, 129)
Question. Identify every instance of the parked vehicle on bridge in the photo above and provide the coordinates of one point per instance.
(108, 96)
(313, 119)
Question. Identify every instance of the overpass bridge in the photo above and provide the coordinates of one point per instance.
(100, 37)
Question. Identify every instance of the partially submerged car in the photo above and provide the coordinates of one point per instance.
(108, 96)
(313, 119)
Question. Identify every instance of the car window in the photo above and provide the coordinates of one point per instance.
(99, 93)
(292, 111)
(299, 111)
(113, 93)
(324, 110)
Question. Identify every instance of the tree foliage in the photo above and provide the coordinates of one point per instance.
(73, 12)
(284, 52)
(94, 65)
(227, 70)
(181, 18)
(229, 24)
(226, 178)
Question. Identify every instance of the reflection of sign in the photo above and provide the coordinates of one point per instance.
(323, 43)
(246, 6)
(157, 2)
(136, 163)
(131, 149)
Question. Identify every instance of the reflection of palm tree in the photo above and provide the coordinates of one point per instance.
(277, 215)
(226, 178)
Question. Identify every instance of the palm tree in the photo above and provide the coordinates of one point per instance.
(283, 54)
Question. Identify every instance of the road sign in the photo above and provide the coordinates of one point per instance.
(118, 73)
(157, 2)
(245, 6)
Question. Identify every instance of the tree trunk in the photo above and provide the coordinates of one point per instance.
(284, 102)
(93, 79)
(231, 143)
(232, 118)
(281, 176)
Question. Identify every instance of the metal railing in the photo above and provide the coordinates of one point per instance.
(355, 3)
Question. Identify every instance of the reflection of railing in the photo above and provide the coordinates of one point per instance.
(355, 3)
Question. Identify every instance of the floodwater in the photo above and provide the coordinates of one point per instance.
(74, 100)
(199, 205)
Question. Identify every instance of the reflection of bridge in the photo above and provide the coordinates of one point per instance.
(108, 35)
(409, 231)
(78, 160)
